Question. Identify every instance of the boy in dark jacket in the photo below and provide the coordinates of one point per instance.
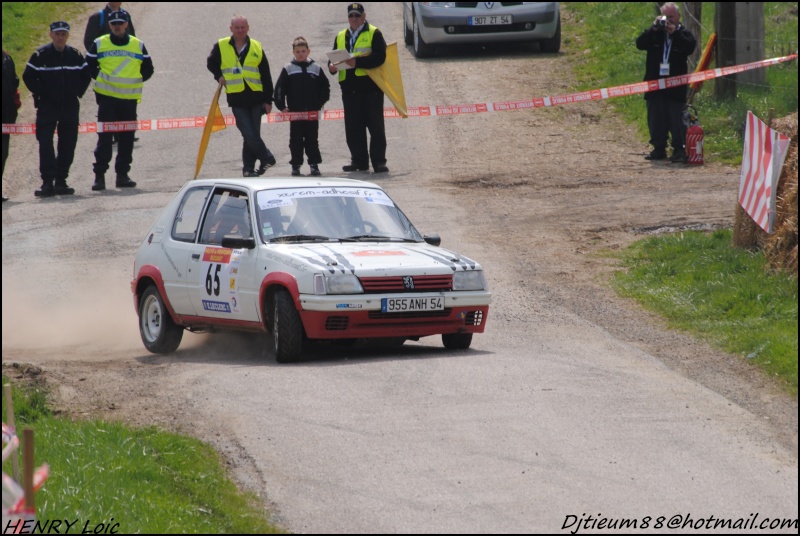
(302, 87)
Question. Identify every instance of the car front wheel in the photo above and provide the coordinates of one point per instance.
(421, 48)
(554, 43)
(160, 334)
(408, 35)
(457, 341)
(287, 329)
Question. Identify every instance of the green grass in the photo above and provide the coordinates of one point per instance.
(26, 26)
(604, 54)
(146, 480)
(722, 294)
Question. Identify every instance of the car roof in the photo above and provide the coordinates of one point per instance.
(264, 183)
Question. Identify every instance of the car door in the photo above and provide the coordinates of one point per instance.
(178, 247)
(215, 274)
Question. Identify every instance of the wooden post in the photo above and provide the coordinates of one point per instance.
(725, 23)
(10, 422)
(27, 469)
(692, 19)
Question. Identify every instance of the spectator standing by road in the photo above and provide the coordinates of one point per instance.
(57, 75)
(361, 97)
(98, 24)
(302, 87)
(240, 64)
(120, 64)
(11, 102)
(668, 44)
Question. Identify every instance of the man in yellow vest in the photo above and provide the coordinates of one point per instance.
(362, 98)
(120, 64)
(240, 64)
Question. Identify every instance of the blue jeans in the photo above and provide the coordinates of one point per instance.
(248, 121)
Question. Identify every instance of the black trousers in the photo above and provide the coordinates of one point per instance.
(6, 140)
(111, 109)
(304, 135)
(665, 117)
(64, 121)
(364, 112)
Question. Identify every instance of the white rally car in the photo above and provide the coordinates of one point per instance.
(323, 259)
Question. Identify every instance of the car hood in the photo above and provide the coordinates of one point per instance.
(374, 258)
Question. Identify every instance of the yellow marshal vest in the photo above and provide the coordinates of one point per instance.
(120, 73)
(236, 74)
(362, 47)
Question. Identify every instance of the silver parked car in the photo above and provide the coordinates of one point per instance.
(427, 24)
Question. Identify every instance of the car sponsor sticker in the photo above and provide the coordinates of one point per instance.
(219, 281)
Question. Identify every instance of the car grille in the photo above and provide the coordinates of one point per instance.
(377, 315)
(417, 283)
(515, 27)
(475, 4)
(337, 323)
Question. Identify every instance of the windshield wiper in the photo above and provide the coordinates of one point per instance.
(367, 237)
(300, 238)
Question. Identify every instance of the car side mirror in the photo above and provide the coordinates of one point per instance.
(434, 240)
(238, 243)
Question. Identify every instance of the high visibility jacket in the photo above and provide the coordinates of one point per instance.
(120, 73)
(363, 46)
(236, 74)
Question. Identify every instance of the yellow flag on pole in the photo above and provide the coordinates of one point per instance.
(388, 78)
(214, 122)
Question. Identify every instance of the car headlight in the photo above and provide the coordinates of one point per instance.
(469, 280)
(337, 284)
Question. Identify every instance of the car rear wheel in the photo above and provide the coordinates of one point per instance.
(160, 334)
(457, 341)
(421, 48)
(287, 329)
(553, 44)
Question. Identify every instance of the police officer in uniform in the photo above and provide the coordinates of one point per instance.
(120, 65)
(361, 97)
(57, 75)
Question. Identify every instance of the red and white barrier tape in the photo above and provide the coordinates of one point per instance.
(427, 111)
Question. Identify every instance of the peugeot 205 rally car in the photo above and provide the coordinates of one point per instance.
(324, 259)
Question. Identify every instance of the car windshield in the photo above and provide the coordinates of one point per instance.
(331, 213)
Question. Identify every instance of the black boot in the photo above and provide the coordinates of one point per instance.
(99, 183)
(46, 190)
(123, 181)
(62, 188)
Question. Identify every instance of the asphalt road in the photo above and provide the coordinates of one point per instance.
(548, 415)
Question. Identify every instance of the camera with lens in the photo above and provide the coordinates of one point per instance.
(661, 21)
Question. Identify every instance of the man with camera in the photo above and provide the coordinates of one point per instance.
(668, 44)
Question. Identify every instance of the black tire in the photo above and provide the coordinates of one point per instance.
(457, 341)
(408, 35)
(160, 334)
(421, 48)
(554, 43)
(287, 329)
